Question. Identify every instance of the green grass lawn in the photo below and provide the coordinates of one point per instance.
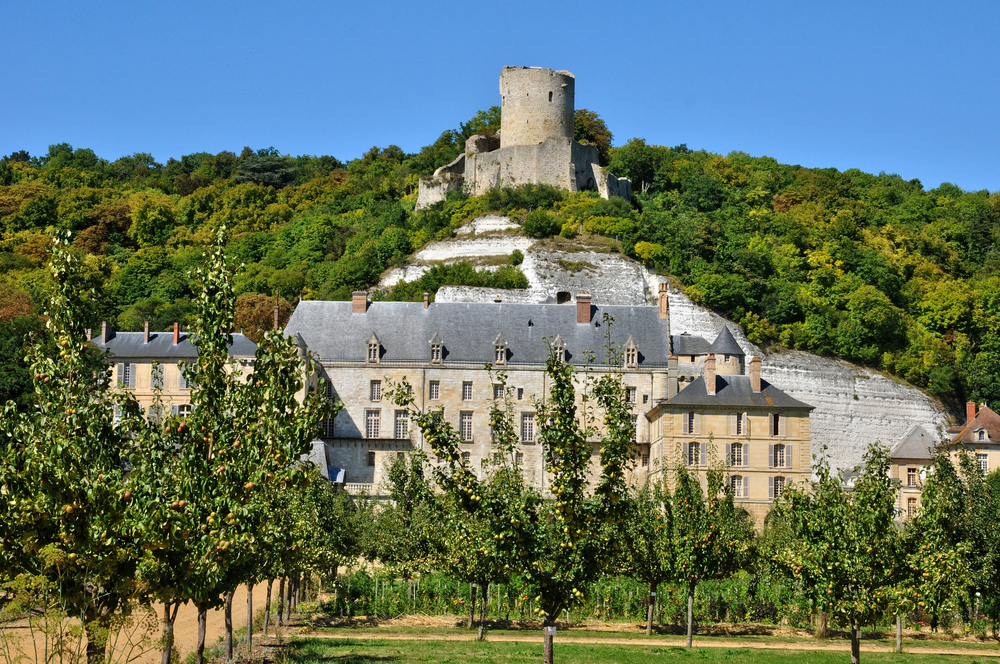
(363, 651)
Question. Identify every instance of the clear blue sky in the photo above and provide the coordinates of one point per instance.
(902, 87)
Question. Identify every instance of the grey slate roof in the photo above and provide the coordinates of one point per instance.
(161, 346)
(468, 331)
(733, 391)
(916, 444)
(725, 344)
(686, 344)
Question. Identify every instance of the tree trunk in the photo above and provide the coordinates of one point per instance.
(168, 631)
(472, 606)
(690, 632)
(290, 588)
(229, 626)
(280, 620)
(899, 633)
(855, 644)
(821, 629)
(249, 617)
(97, 626)
(649, 609)
(547, 648)
(267, 606)
(199, 653)
(482, 611)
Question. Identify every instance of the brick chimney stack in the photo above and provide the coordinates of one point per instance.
(583, 308)
(177, 333)
(107, 332)
(664, 304)
(427, 300)
(145, 333)
(359, 299)
(970, 411)
(754, 372)
(710, 375)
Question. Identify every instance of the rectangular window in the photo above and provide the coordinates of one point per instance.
(635, 427)
(501, 354)
(434, 390)
(156, 377)
(779, 456)
(779, 486)
(690, 423)
(775, 424)
(630, 391)
(739, 424)
(497, 392)
(645, 398)
(736, 452)
(375, 390)
(436, 353)
(466, 456)
(520, 393)
(693, 454)
(185, 383)
(983, 463)
(466, 391)
(519, 458)
(528, 427)
(126, 375)
(373, 420)
(402, 424)
(184, 411)
(645, 460)
(155, 414)
(371, 458)
(911, 507)
(911, 477)
(465, 427)
(736, 484)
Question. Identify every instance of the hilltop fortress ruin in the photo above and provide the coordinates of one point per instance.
(535, 144)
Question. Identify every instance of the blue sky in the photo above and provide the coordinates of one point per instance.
(902, 87)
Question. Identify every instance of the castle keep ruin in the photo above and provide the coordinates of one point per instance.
(535, 144)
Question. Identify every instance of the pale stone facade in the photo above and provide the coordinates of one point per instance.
(536, 144)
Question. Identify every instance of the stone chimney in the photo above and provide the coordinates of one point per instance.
(671, 376)
(970, 411)
(427, 300)
(107, 332)
(177, 333)
(359, 299)
(583, 308)
(710, 375)
(664, 303)
(754, 372)
(145, 333)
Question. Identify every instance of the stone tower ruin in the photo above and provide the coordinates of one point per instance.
(535, 144)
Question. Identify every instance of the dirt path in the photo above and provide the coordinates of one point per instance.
(127, 648)
(706, 642)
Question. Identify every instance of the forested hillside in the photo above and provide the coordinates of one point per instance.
(872, 268)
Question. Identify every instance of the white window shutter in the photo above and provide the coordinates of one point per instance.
(704, 454)
(131, 376)
(173, 409)
(746, 486)
(770, 424)
(781, 426)
(685, 426)
(746, 454)
(770, 488)
(770, 457)
(697, 423)
(789, 459)
(732, 424)
(120, 376)
(746, 425)
(729, 454)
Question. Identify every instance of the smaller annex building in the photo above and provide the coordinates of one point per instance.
(145, 363)
(759, 434)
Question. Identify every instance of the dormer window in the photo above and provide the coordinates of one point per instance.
(631, 354)
(559, 349)
(437, 349)
(499, 350)
(981, 434)
(374, 349)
